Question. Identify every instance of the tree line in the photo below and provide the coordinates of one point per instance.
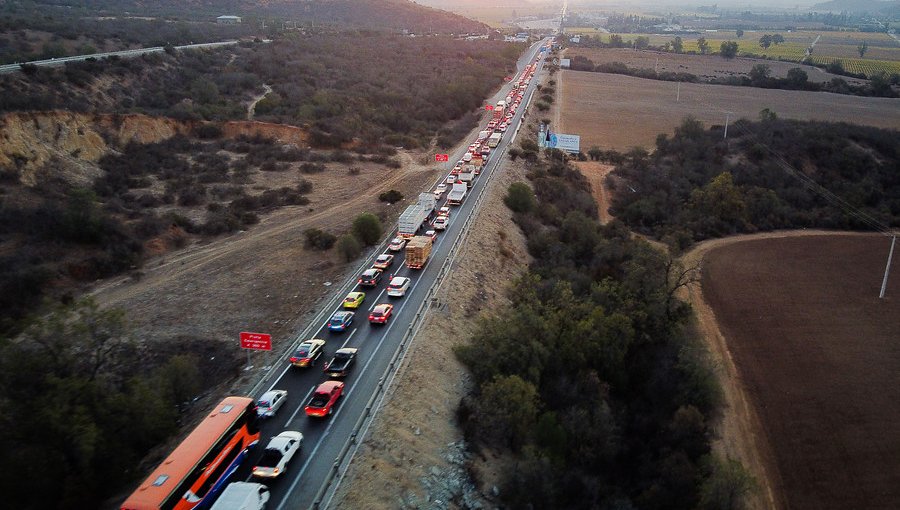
(696, 185)
(590, 378)
(880, 84)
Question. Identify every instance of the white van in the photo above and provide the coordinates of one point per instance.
(242, 496)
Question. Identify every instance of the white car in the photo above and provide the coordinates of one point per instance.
(451, 179)
(440, 223)
(280, 450)
(398, 286)
(397, 244)
(441, 187)
(270, 402)
(444, 211)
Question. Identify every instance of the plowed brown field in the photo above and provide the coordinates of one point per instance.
(818, 354)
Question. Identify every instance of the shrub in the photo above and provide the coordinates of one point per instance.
(391, 196)
(312, 168)
(367, 227)
(349, 247)
(519, 198)
(208, 131)
(316, 239)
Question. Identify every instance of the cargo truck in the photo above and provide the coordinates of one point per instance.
(417, 251)
(477, 162)
(457, 194)
(416, 215)
(494, 140)
(468, 178)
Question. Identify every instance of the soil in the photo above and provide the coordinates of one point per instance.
(809, 365)
(703, 66)
(596, 174)
(409, 433)
(620, 112)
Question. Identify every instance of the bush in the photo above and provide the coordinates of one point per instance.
(519, 198)
(367, 228)
(318, 240)
(312, 168)
(391, 196)
(349, 247)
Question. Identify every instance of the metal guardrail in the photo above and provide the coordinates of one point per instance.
(384, 382)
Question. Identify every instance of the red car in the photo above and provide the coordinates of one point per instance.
(323, 399)
(381, 313)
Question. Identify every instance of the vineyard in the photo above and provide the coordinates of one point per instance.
(882, 53)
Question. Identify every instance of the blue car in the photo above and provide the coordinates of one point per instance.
(340, 321)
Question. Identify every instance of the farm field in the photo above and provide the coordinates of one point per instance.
(883, 52)
(620, 112)
(704, 66)
(816, 352)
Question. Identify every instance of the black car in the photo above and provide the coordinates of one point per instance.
(370, 277)
(341, 363)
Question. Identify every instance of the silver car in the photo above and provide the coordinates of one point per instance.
(270, 402)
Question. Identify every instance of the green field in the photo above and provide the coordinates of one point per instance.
(883, 52)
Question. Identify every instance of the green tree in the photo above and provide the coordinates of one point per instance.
(349, 247)
(862, 48)
(641, 42)
(615, 40)
(777, 39)
(727, 486)
(765, 41)
(703, 45)
(797, 77)
(759, 74)
(767, 115)
(739, 33)
(728, 49)
(514, 153)
(678, 45)
(519, 198)
(595, 153)
(367, 228)
(720, 200)
(507, 410)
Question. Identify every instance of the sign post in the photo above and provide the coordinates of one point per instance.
(255, 342)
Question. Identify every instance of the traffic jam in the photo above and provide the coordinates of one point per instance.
(360, 321)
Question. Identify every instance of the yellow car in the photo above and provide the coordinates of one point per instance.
(354, 299)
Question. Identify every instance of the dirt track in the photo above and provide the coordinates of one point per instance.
(808, 402)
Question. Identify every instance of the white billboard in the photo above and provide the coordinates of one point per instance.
(564, 63)
(569, 143)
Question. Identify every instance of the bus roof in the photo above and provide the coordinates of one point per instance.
(168, 475)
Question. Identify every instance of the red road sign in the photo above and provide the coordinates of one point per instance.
(489, 107)
(442, 157)
(257, 341)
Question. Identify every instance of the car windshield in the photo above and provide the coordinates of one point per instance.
(270, 458)
(341, 356)
(377, 313)
(319, 400)
(336, 320)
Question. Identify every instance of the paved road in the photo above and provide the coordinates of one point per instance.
(327, 439)
(57, 62)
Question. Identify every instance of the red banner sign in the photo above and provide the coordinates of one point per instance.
(257, 341)
(442, 157)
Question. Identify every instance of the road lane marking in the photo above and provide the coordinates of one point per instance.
(289, 420)
(375, 301)
(349, 337)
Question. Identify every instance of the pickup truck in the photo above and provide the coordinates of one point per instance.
(340, 364)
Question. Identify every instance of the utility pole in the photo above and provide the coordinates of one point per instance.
(727, 115)
(678, 93)
(887, 267)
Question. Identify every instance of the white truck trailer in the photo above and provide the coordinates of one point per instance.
(416, 215)
(457, 194)
(494, 140)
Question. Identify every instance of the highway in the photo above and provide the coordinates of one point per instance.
(307, 482)
(61, 61)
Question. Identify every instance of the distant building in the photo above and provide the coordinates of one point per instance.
(228, 20)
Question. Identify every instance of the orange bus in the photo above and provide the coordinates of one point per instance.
(200, 466)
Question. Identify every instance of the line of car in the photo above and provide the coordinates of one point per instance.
(285, 446)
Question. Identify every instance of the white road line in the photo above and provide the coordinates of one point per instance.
(349, 337)
(279, 377)
(345, 397)
(289, 420)
(375, 301)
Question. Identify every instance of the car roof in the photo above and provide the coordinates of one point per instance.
(356, 294)
(346, 350)
(385, 256)
(271, 393)
(371, 270)
(341, 314)
(383, 307)
(328, 386)
(281, 440)
(399, 280)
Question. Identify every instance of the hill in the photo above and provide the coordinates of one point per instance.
(380, 14)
